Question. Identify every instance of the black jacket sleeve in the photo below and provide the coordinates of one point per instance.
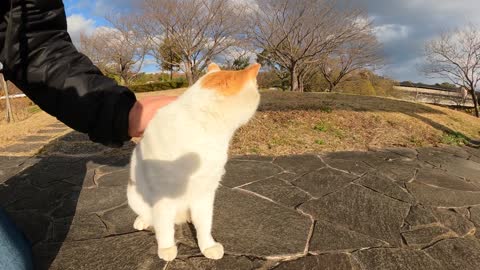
(40, 58)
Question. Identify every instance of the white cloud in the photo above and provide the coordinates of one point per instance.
(391, 32)
(78, 24)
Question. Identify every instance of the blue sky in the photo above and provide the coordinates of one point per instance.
(86, 15)
(402, 26)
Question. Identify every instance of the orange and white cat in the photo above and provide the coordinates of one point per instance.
(177, 166)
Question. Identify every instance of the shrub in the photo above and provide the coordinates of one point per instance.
(357, 86)
(454, 138)
(159, 86)
(269, 79)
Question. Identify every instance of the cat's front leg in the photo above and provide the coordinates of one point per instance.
(164, 224)
(202, 215)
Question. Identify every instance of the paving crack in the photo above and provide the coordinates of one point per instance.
(310, 235)
(337, 169)
(121, 234)
(259, 180)
(103, 222)
(436, 242)
(259, 196)
(414, 177)
(359, 263)
(376, 191)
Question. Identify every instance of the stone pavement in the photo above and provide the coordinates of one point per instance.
(389, 209)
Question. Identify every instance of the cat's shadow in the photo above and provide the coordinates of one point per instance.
(165, 179)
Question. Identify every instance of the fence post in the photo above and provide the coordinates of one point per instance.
(8, 108)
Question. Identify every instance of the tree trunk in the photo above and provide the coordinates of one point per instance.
(122, 80)
(330, 86)
(8, 111)
(475, 102)
(294, 79)
(195, 74)
(189, 73)
(301, 83)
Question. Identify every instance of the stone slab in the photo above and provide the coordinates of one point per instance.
(247, 224)
(336, 261)
(131, 251)
(324, 181)
(299, 164)
(240, 172)
(328, 237)
(458, 253)
(361, 210)
(279, 191)
(21, 147)
(382, 184)
(441, 197)
(395, 259)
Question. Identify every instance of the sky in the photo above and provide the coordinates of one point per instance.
(403, 27)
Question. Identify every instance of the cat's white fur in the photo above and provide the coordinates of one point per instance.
(177, 166)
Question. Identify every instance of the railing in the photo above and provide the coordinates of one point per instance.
(14, 96)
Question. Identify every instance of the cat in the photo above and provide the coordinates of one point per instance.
(178, 164)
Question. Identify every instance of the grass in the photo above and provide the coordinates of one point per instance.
(33, 109)
(454, 138)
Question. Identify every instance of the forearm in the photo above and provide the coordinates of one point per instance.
(39, 57)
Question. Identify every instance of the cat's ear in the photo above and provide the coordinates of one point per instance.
(253, 70)
(213, 67)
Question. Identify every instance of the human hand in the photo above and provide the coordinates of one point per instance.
(143, 111)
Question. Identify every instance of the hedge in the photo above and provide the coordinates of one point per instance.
(158, 86)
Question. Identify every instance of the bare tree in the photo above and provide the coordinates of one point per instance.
(455, 55)
(361, 50)
(8, 107)
(200, 29)
(299, 34)
(93, 46)
(119, 51)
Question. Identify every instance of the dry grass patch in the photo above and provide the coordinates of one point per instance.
(297, 123)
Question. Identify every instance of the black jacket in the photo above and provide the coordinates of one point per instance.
(39, 57)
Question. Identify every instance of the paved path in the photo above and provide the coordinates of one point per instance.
(389, 209)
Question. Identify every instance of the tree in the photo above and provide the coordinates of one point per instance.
(239, 63)
(360, 50)
(455, 55)
(168, 56)
(118, 51)
(8, 107)
(299, 34)
(265, 59)
(200, 29)
(94, 47)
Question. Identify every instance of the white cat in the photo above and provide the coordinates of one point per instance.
(177, 166)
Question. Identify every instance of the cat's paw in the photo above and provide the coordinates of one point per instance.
(214, 252)
(167, 254)
(140, 225)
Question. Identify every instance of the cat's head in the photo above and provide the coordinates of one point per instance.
(235, 92)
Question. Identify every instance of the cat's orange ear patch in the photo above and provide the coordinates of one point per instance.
(229, 82)
(253, 70)
(213, 67)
